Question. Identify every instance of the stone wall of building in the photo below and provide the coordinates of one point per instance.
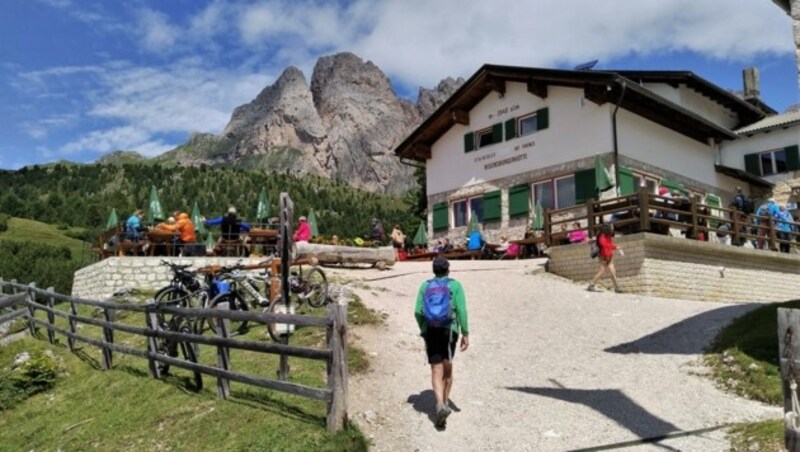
(680, 268)
(101, 279)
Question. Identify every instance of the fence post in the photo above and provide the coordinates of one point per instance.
(590, 217)
(30, 300)
(73, 327)
(337, 367)
(547, 238)
(151, 318)
(772, 239)
(694, 218)
(223, 354)
(789, 352)
(108, 338)
(644, 210)
(736, 239)
(51, 318)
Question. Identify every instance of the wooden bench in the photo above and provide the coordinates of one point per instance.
(103, 250)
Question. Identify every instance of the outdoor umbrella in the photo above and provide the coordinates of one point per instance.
(210, 242)
(312, 223)
(196, 219)
(154, 209)
(602, 179)
(538, 216)
(473, 225)
(421, 237)
(262, 210)
(112, 219)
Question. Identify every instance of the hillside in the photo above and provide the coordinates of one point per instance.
(83, 195)
(22, 230)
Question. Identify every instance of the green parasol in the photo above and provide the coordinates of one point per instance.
(421, 237)
(154, 209)
(538, 216)
(196, 219)
(312, 223)
(602, 180)
(473, 225)
(262, 210)
(113, 220)
(210, 243)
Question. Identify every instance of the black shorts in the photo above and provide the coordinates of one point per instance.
(437, 342)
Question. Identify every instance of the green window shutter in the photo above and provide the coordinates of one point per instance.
(491, 206)
(585, 186)
(511, 128)
(497, 133)
(542, 119)
(519, 200)
(752, 164)
(792, 158)
(440, 216)
(713, 202)
(469, 142)
(626, 181)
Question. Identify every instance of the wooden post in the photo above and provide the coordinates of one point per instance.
(223, 354)
(151, 318)
(736, 239)
(773, 244)
(108, 338)
(694, 218)
(789, 353)
(73, 327)
(644, 209)
(590, 218)
(51, 318)
(547, 237)
(31, 299)
(337, 367)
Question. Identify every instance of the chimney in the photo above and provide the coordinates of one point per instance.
(751, 83)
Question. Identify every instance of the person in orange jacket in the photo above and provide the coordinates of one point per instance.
(185, 229)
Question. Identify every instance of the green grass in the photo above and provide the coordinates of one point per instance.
(21, 230)
(126, 409)
(744, 360)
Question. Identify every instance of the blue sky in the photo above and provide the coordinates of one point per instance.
(80, 78)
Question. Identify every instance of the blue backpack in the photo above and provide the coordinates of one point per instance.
(437, 309)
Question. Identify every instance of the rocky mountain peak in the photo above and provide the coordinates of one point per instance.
(429, 100)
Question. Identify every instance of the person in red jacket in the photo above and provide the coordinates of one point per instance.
(605, 242)
(303, 232)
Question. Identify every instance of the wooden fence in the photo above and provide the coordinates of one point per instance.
(23, 301)
(647, 212)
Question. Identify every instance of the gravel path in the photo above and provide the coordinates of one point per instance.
(550, 366)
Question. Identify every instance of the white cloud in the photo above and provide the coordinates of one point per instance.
(157, 35)
(124, 138)
(39, 130)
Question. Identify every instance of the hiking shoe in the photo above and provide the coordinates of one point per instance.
(441, 416)
(591, 288)
(618, 290)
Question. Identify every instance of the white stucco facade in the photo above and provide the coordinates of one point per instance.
(732, 153)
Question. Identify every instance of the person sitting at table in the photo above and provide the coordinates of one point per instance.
(230, 225)
(134, 228)
(186, 234)
(577, 235)
(303, 232)
(168, 222)
(446, 245)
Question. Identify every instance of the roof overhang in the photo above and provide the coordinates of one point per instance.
(785, 5)
(743, 176)
(598, 86)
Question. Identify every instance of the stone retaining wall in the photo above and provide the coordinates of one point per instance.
(679, 268)
(101, 279)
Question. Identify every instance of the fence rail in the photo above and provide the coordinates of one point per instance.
(23, 301)
(647, 212)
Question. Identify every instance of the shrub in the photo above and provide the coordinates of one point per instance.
(37, 374)
(4, 222)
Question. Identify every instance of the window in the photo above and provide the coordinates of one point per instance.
(484, 138)
(643, 180)
(464, 209)
(527, 125)
(776, 161)
(555, 193)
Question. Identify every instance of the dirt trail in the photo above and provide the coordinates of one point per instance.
(550, 366)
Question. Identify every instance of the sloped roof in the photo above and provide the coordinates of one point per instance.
(771, 122)
(743, 176)
(599, 87)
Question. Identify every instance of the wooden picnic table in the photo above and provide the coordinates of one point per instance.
(159, 237)
(267, 238)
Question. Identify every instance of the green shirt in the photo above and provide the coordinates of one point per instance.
(460, 324)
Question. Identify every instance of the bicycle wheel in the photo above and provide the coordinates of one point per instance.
(190, 354)
(167, 296)
(235, 303)
(277, 331)
(316, 287)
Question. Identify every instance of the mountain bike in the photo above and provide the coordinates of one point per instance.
(174, 323)
(185, 284)
(311, 287)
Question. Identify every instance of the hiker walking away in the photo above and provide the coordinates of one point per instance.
(605, 242)
(441, 313)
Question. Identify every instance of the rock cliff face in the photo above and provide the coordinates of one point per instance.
(345, 125)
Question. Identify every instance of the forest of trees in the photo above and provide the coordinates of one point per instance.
(83, 195)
